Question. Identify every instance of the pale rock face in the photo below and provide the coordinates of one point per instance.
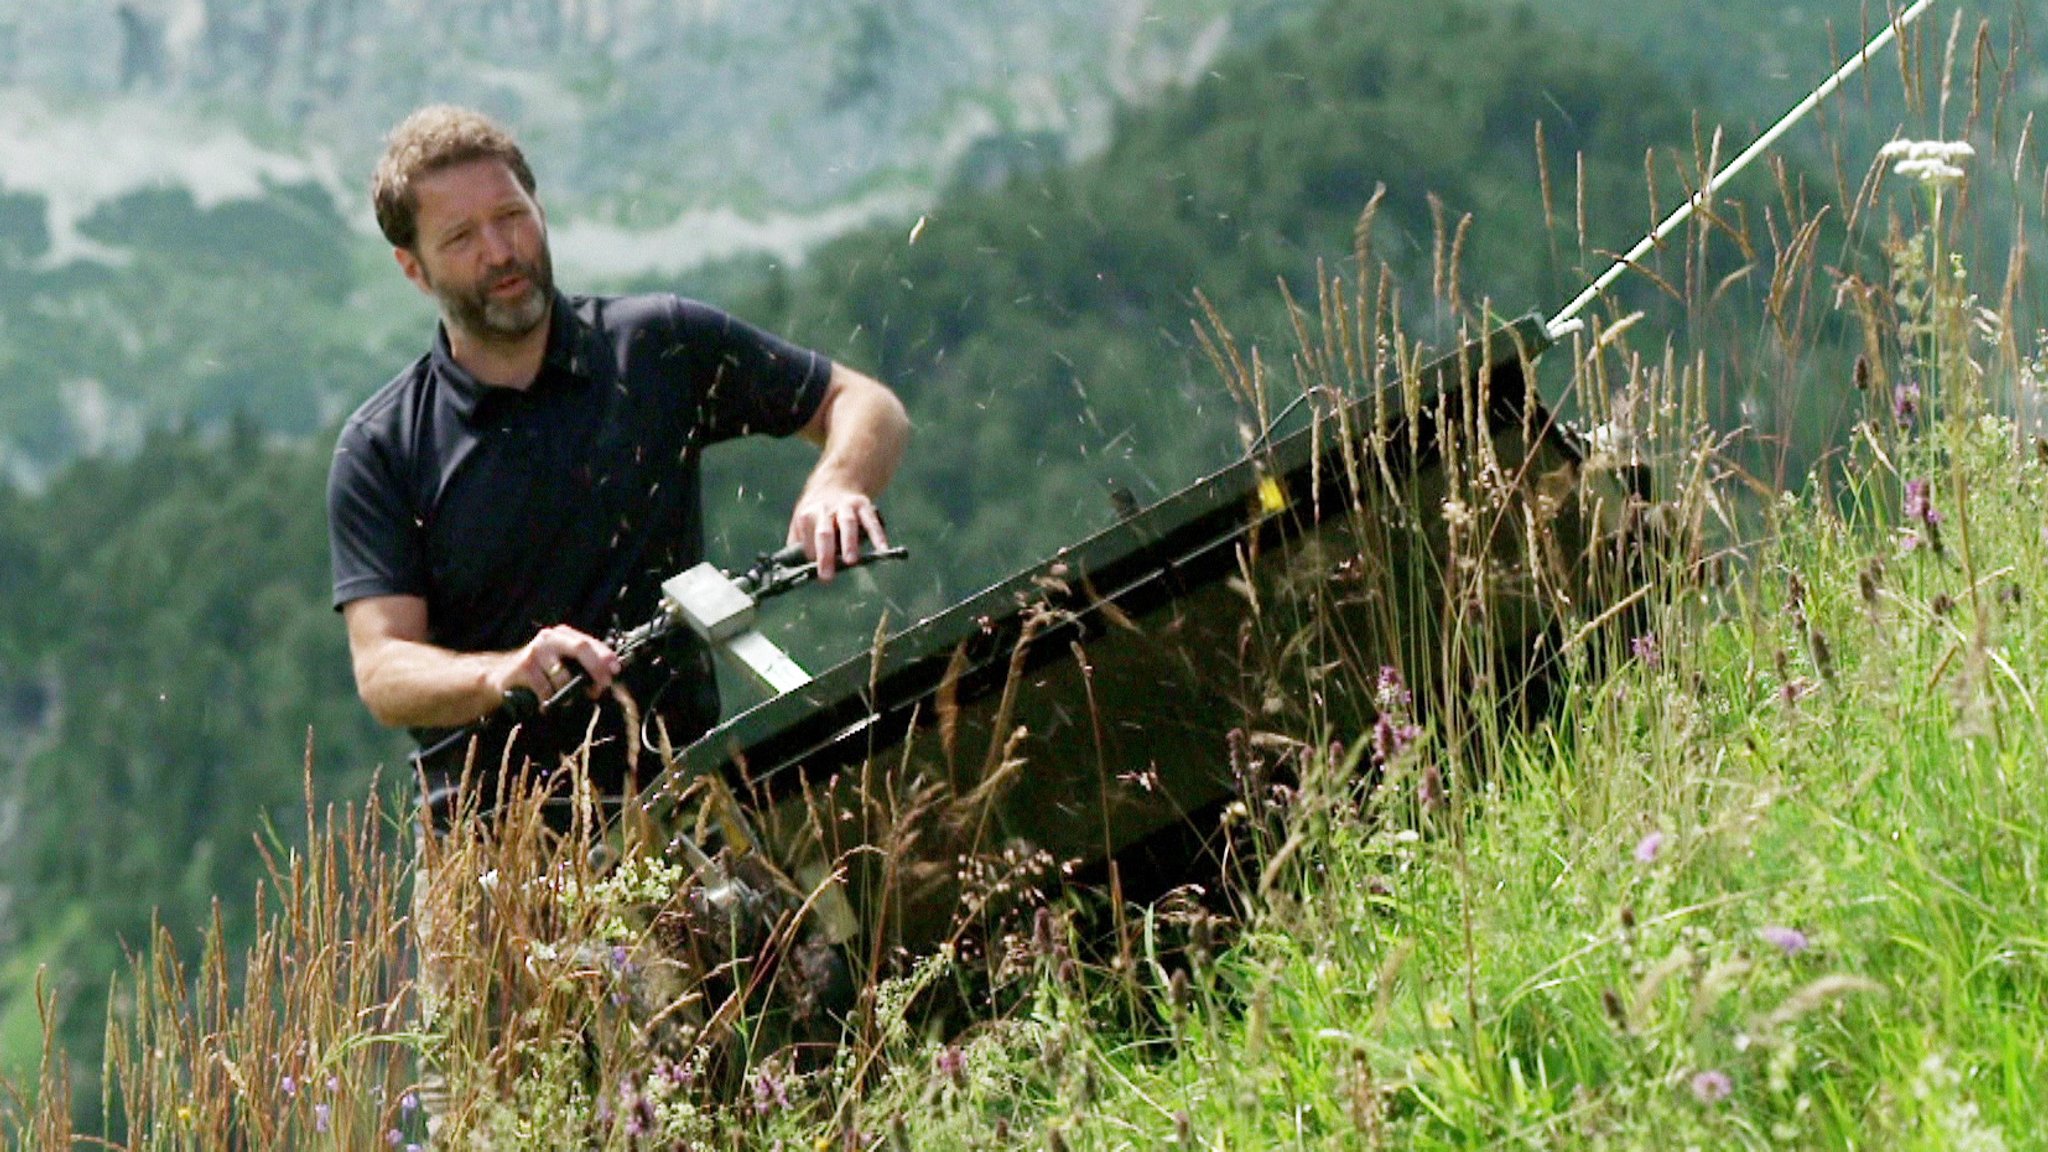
(766, 126)
(665, 133)
(76, 157)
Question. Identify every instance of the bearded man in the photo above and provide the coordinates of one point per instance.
(524, 488)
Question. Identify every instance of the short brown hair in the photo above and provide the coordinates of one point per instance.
(435, 137)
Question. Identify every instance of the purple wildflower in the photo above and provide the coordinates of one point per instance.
(1916, 499)
(1712, 1086)
(1644, 649)
(1392, 690)
(1790, 941)
(1429, 791)
(323, 1117)
(1648, 847)
(1044, 933)
(769, 1094)
(1919, 505)
(394, 1138)
(409, 1103)
(1906, 404)
(289, 1085)
(953, 1063)
(1391, 737)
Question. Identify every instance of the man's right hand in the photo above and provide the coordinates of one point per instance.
(551, 660)
(408, 682)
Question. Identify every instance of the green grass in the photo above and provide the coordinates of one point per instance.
(1528, 973)
(1778, 885)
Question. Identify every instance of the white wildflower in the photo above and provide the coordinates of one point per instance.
(1949, 151)
(1928, 171)
(1928, 161)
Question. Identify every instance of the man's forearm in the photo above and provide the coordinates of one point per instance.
(412, 684)
(861, 429)
(407, 681)
(861, 436)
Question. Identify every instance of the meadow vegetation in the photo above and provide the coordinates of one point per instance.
(1763, 871)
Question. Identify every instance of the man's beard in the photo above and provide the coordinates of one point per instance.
(476, 311)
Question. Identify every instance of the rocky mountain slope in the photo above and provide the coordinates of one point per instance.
(640, 113)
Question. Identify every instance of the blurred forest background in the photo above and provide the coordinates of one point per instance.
(1003, 209)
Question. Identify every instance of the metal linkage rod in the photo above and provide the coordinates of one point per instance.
(1565, 322)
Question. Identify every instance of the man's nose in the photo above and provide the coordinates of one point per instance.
(497, 243)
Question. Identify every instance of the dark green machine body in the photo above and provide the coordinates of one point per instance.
(1082, 706)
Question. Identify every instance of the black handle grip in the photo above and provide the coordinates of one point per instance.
(520, 703)
(523, 703)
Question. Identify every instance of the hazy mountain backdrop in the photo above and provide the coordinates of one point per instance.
(143, 138)
(234, 132)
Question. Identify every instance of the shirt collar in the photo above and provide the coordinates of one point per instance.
(566, 362)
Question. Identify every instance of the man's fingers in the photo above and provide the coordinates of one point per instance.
(557, 654)
(831, 531)
(848, 522)
(825, 546)
(871, 519)
(597, 661)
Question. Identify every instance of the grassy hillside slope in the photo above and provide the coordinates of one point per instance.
(1768, 874)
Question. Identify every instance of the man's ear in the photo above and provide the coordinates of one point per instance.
(409, 263)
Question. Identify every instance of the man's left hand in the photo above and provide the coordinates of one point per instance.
(860, 427)
(829, 524)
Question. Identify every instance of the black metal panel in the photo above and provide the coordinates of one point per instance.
(1163, 568)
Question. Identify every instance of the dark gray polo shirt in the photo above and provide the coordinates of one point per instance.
(568, 502)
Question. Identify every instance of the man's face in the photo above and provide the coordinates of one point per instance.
(481, 251)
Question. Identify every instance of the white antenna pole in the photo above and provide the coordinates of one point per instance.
(1566, 321)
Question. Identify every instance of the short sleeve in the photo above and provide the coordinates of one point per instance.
(756, 383)
(374, 538)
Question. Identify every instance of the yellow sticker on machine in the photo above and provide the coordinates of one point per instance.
(1272, 497)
